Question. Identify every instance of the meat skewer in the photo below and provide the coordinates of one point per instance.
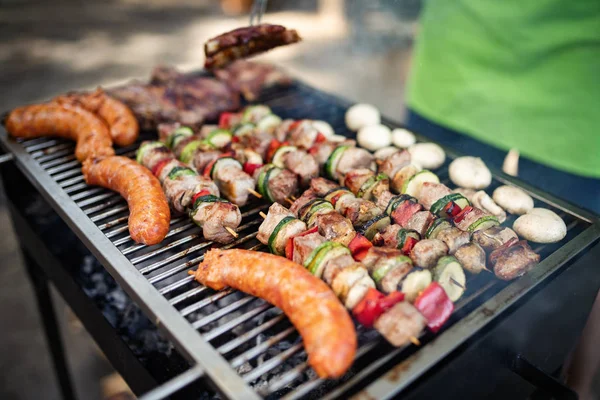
(350, 280)
(189, 192)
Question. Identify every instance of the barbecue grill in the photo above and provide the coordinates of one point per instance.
(243, 347)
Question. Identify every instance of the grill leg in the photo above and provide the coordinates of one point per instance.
(46, 309)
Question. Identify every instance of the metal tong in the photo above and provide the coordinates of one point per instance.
(257, 11)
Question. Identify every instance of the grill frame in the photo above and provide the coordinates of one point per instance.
(182, 332)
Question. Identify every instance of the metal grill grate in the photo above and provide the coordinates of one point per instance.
(262, 352)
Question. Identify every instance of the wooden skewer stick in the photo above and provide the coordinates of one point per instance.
(232, 232)
(455, 282)
(293, 197)
(255, 193)
(263, 215)
(289, 201)
(415, 341)
(487, 270)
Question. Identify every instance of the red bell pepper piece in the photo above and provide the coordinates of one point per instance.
(461, 215)
(235, 139)
(435, 306)
(249, 168)
(320, 138)
(294, 125)
(159, 166)
(208, 169)
(359, 246)
(201, 193)
(409, 243)
(313, 150)
(360, 255)
(335, 198)
(224, 120)
(373, 305)
(452, 209)
(289, 246)
(273, 146)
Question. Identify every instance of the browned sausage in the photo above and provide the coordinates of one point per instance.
(123, 125)
(149, 214)
(326, 328)
(75, 123)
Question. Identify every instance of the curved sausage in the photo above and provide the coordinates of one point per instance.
(148, 207)
(326, 328)
(75, 123)
(123, 125)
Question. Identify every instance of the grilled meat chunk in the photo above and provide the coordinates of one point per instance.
(322, 186)
(453, 238)
(228, 47)
(335, 227)
(357, 210)
(155, 155)
(302, 134)
(287, 232)
(276, 213)
(283, 185)
(335, 265)
(388, 237)
(432, 192)
(354, 158)
(514, 261)
(214, 217)
(234, 184)
(344, 282)
(472, 257)
(179, 191)
(400, 324)
(202, 158)
(394, 163)
(301, 201)
(420, 221)
(302, 164)
(402, 176)
(494, 237)
(356, 178)
(304, 245)
(427, 252)
(470, 218)
(383, 199)
(405, 211)
(250, 78)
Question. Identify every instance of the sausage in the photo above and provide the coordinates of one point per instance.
(149, 214)
(123, 125)
(326, 328)
(75, 123)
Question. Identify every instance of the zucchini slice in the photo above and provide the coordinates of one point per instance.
(438, 207)
(189, 150)
(406, 233)
(396, 201)
(246, 128)
(313, 254)
(436, 227)
(284, 221)
(255, 113)
(279, 153)
(483, 223)
(415, 282)
(377, 224)
(332, 162)
(178, 135)
(450, 275)
(386, 265)
(413, 185)
(224, 162)
(268, 123)
(181, 171)
(146, 147)
(317, 265)
(219, 138)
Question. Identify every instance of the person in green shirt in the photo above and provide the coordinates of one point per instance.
(525, 75)
(515, 74)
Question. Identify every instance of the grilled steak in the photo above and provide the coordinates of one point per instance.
(244, 42)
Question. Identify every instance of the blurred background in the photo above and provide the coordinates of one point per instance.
(355, 48)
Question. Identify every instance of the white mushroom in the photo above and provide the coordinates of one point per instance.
(403, 138)
(360, 115)
(324, 128)
(513, 199)
(374, 137)
(483, 201)
(541, 225)
(468, 193)
(470, 172)
(511, 163)
(337, 138)
(385, 152)
(427, 155)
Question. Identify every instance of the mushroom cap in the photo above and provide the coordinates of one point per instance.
(374, 137)
(470, 172)
(427, 155)
(403, 138)
(362, 114)
(513, 199)
(541, 225)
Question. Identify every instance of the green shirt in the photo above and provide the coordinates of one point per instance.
(514, 73)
